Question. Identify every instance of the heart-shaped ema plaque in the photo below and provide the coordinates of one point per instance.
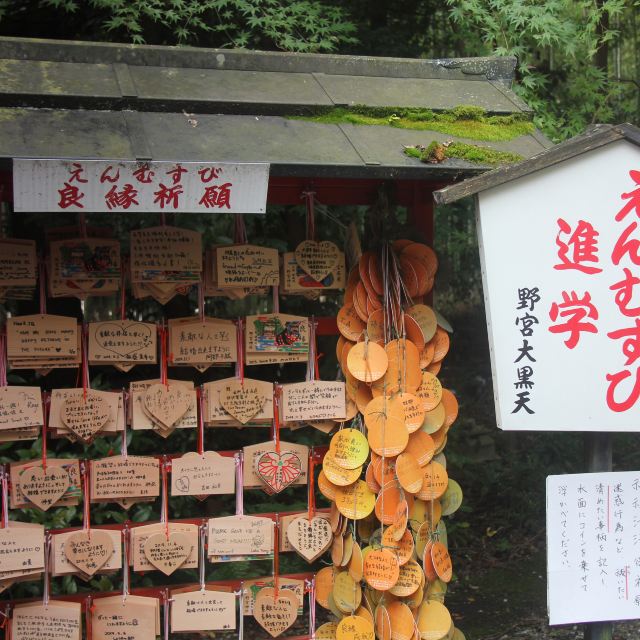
(89, 550)
(275, 614)
(123, 338)
(310, 538)
(167, 552)
(241, 399)
(44, 488)
(167, 403)
(278, 470)
(85, 416)
(318, 259)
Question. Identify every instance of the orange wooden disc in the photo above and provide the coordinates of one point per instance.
(381, 569)
(403, 366)
(450, 403)
(370, 479)
(429, 391)
(382, 623)
(351, 385)
(375, 274)
(427, 563)
(324, 586)
(349, 323)
(410, 475)
(400, 520)
(356, 563)
(337, 550)
(367, 361)
(352, 281)
(434, 483)
(384, 469)
(339, 344)
(439, 438)
(424, 281)
(327, 488)
(399, 245)
(434, 368)
(388, 436)
(441, 561)
(380, 410)
(426, 319)
(411, 409)
(409, 580)
(421, 447)
(414, 332)
(441, 344)
(409, 276)
(375, 326)
(360, 303)
(403, 548)
(388, 500)
(402, 623)
(425, 254)
(426, 355)
(433, 620)
(363, 397)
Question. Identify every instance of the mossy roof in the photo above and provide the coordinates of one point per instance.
(99, 100)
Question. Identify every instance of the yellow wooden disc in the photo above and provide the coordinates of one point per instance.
(350, 448)
(435, 480)
(457, 634)
(402, 624)
(429, 391)
(383, 623)
(409, 473)
(364, 612)
(442, 561)
(381, 569)
(452, 498)
(367, 362)
(426, 319)
(339, 475)
(327, 489)
(347, 593)
(428, 511)
(436, 590)
(414, 600)
(411, 409)
(434, 419)
(324, 586)
(347, 549)
(355, 501)
(327, 631)
(355, 628)
(337, 549)
(434, 620)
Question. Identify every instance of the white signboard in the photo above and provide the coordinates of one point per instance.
(593, 547)
(128, 186)
(560, 252)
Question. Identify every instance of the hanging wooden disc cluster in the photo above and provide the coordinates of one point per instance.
(386, 474)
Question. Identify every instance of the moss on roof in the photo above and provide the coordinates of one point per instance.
(437, 152)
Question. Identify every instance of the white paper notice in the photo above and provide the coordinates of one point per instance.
(593, 547)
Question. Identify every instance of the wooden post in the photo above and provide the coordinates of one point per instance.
(598, 456)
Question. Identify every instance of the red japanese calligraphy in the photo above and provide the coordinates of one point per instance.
(614, 380)
(176, 174)
(76, 173)
(626, 245)
(168, 196)
(124, 198)
(631, 346)
(581, 246)
(574, 311)
(107, 176)
(70, 196)
(208, 174)
(633, 198)
(624, 294)
(143, 174)
(217, 196)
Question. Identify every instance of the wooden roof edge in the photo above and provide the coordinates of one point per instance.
(482, 68)
(594, 138)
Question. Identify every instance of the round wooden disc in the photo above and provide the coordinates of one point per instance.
(409, 580)
(351, 627)
(356, 563)
(425, 254)
(426, 319)
(434, 483)
(414, 332)
(421, 447)
(426, 355)
(347, 549)
(337, 550)
(324, 586)
(400, 520)
(375, 327)
(336, 474)
(381, 569)
(441, 561)
(428, 511)
(375, 274)
(327, 489)
(388, 437)
(403, 548)
(409, 473)
(356, 501)
(452, 498)
(350, 448)
(363, 397)
(349, 323)
(441, 344)
(427, 563)
(367, 362)
(403, 370)
(370, 479)
(429, 391)
(410, 407)
(347, 593)
(434, 368)
(388, 500)
(434, 419)
(434, 620)
(402, 624)
(450, 403)
(383, 623)
(327, 631)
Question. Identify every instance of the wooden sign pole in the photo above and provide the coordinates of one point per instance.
(599, 457)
